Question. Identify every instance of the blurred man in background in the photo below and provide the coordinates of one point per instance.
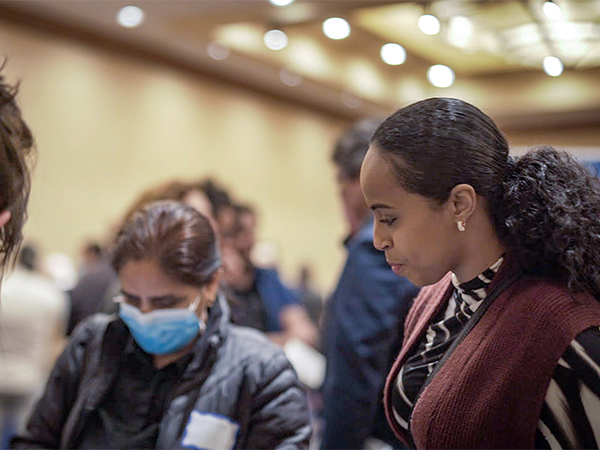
(364, 317)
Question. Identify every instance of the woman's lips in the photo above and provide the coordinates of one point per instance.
(397, 268)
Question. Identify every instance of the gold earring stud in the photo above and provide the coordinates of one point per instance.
(461, 225)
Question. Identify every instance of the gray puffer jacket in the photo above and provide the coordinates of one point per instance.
(238, 391)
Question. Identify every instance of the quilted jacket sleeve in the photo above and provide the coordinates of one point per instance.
(279, 411)
(46, 422)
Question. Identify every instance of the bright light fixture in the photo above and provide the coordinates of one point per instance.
(429, 24)
(336, 28)
(551, 10)
(440, 76)
(217, 51)
(290, 78)
(460, 31)
(130, 16)
(350, 100)
(393, 54)
(553, 66)
(281, 2)
(275, 39)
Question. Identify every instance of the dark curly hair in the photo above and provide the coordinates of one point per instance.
(549, 209)
(16, 147)
(545, 205)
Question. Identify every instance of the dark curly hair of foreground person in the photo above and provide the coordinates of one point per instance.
(16, 148)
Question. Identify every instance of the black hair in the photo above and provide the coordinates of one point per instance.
(351, 147)
(545, 205)
(218, 196)
(28, 257)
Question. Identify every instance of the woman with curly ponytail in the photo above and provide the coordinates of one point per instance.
(502, 348)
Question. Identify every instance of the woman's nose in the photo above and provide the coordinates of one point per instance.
(145, 307)
(380, 240)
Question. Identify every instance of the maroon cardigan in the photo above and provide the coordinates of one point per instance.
(489, 393)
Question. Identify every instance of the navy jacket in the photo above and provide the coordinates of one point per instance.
(275, 296)
(362, 334)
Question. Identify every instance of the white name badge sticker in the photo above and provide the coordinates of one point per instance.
(205, 431)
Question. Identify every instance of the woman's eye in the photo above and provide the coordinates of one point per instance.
(132, 301)
(387, 221)
(166, 303)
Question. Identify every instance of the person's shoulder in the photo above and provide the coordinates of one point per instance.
(248, 341)
(537, 286)
(91, 326)
(248, 349)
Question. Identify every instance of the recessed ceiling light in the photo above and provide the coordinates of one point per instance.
(393, 54)
(350, 100)
(281, 2)
(275, 39)
(429, 24)
(440, 76)
(551, 10)
(553, 66)
(290, 78)
(130, 16)
(217, 51)
(460, 31)
(336, 28)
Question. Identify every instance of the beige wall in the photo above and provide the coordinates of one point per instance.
(108, 127)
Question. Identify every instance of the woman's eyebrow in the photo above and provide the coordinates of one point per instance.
(159, 298)
(127, 294)
(380, 206)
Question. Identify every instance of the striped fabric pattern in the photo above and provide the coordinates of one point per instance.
(570, 416)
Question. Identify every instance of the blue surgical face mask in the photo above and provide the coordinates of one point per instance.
(162, 331)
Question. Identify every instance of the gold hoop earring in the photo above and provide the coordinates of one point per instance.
(461, 225)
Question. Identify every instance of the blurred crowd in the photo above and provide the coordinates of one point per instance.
(340, 356)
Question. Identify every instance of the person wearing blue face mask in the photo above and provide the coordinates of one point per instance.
(169, 370)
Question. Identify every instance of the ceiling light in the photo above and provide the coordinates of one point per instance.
(350, 100)
(440, 76)
(275, 39)
(336, 28)
(130, 16)
(393, 54)
(429, 24)
(551, 10)
(217, 51)
(290, 78)
(281, 2)
(553, 66)
(460, 31)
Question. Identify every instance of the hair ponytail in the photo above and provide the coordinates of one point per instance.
(547, 214)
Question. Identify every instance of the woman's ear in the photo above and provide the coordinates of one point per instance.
(463, 201)
(210, 289)
(4, 218)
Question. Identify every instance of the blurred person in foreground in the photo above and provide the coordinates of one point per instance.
(32, 327)
(260, 298)
(363, 318)
(170, 371)
(502, 346)
(16, 148)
